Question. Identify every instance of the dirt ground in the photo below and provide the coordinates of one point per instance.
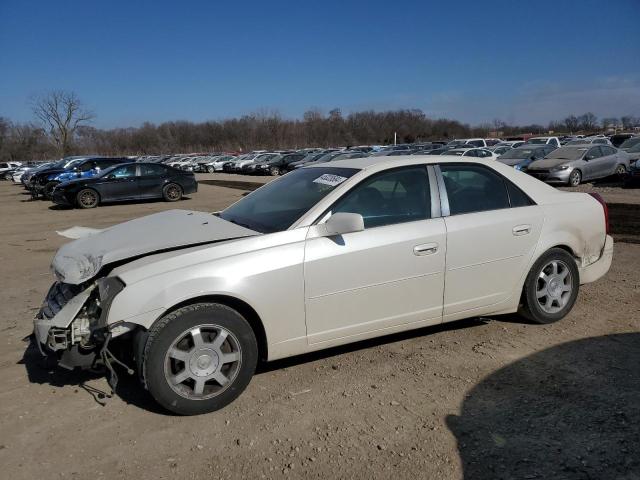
(480, 398)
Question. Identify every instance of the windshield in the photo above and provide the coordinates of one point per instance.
(567, 153)
(630, 142)
(277, 205)
(454, 143)
(537, 141)
(635, 148)
(518, 153)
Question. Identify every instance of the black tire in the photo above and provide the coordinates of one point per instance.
(575, 178)
(47, 191)
(275, 171)
(87, 198)
(165, 332)
(621, 171)
(532, 308)
(172, 192)
(210, 169)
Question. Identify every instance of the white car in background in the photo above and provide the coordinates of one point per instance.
(323, 256)
(473, 152)
(468, 142)
(7, 166)
(555, 141)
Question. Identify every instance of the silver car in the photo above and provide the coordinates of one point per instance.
(575, 163)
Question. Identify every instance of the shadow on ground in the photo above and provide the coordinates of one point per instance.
(568, 412)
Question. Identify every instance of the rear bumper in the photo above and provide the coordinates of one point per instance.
(600, 267)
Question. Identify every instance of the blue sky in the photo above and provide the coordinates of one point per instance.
(135, 61)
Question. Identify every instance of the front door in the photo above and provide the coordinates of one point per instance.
(387, 275)
(120, 184)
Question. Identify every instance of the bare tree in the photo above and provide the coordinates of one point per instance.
(61, 113)
(572, 123)
(588, 121)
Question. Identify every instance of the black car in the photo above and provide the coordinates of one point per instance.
(130, 181)
(278, 164)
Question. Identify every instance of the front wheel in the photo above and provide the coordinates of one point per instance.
(87, 198)
(48, 189)
(274, 171)
(575, 177)
(621, 171)
(210, 169)
(199, 358)
(172, 192)
(551, 288)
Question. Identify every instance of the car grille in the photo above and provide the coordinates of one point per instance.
(58, 296)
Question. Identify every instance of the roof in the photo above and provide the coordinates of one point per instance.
(396, 161)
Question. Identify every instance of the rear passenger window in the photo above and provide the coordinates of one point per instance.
(473, 188)
(517, 197)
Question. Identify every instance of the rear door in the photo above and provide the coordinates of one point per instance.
(151, 179)
(492, 230)
(593, 166)
(608, 161)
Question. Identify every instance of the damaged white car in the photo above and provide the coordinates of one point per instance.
(323, 256)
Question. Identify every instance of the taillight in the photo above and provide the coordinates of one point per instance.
(599, 198)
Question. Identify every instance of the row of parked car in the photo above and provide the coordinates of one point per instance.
(87, 181)
(565, 160)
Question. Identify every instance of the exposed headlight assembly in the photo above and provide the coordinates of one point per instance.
(561, 167)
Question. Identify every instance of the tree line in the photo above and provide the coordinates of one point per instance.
(62, 126)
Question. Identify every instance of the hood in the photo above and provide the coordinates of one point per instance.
(512, 161)
(549, 163)
(80, 260)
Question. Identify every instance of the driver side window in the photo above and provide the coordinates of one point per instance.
(593, 153)
(388, 198)
(124, 172)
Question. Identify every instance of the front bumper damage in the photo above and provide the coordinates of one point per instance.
(71, 325)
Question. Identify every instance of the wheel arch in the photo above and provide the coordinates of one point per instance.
(242, 307)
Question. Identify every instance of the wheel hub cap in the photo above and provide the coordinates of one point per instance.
(204, 362)
(554, 286)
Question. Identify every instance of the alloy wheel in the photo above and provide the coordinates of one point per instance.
(202, 362)
(554, 286)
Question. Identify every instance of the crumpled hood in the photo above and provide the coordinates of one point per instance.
(81, 259)
(548, 163)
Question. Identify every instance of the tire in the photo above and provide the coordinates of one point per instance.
(210, 169)
(172, 192)
(87, 198)
(174, 365)
(275, 171)
(48, 189)
(621, 171)
(551, 297)
(575, 178)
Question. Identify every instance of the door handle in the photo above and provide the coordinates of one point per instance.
(521, 230)
(425, 249)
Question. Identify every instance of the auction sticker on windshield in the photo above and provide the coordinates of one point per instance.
(331, 180)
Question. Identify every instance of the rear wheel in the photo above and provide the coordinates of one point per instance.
(172, 192)
(551, 288)
(575, 177)
(87, 198)
(199, 358)
(274, 171)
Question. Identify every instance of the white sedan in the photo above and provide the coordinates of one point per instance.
(323, 256)
(473, 153)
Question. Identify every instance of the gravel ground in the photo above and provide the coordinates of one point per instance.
(480, 398)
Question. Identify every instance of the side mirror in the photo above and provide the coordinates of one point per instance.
(341, 223)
